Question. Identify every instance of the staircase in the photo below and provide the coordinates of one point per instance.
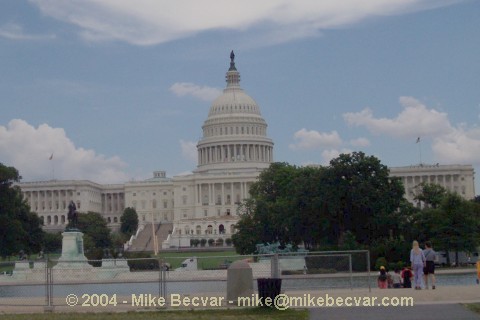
(144, 240)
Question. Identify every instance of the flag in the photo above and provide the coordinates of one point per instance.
(418, 140)
(51, 157)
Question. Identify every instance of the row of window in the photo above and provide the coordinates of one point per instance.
(143, 204)
(49, 206)
(433, 178)
(249, 130)
(59, 220)
(209, 230)
(134, 194)
(235, 107)
(49, 193)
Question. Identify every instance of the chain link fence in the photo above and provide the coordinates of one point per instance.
(138, 283)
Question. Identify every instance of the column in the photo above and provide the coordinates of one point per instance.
(223, 194)
(199, 196)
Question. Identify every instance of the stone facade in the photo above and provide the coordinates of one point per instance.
(50, 199)
(454, 178)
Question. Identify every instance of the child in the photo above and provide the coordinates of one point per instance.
(397, 279)
(407, 277)
(382, 278)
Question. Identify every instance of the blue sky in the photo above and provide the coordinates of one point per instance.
(116, 89)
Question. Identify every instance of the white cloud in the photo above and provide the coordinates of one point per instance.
(28, 149)
(189, 150)
(450, 143)
(462, 146)
(201, 92)
(148, 22)
(360, 142)
(330, 154)
(313, 139)
(413, 121)
(15, 32)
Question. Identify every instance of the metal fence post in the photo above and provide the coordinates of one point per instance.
(274, 261)
(48, 287)
(350, 267)
(368, 270)
(162, 285)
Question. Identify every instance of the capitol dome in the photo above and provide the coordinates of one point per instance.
(235, 133)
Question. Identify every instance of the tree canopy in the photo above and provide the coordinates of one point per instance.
(20, 229)
(317, 206)
(97, 235)
(129, 221)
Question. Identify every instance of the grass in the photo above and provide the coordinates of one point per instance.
(475, 307)
(206, 260)
(240, 314)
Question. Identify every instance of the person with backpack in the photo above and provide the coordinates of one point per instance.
(382, 280)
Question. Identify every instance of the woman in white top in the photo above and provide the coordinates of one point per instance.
(417, 258)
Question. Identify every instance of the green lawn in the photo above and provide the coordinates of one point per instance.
(474, 307)
(206, 260)
(237, 314)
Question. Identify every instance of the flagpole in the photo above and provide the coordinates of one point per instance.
(53, 166)
(419, 142)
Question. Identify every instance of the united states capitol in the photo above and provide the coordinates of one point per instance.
(232, 152)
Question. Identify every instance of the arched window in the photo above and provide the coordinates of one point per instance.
(198, 229)
(221, 229)
(209, 229)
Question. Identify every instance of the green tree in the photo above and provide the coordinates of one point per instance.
(266, 217)
(248, 233)
(97, 235)
(52, 242)
(20, 229)
(457, 225)
(129, 221)
(318, 207)
(362, 198)
(430, 194)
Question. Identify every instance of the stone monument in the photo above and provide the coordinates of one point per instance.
(73, 256)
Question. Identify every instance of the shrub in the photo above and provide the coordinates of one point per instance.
(203, 242)
(141, 261)
(195, 242)
(211, 242)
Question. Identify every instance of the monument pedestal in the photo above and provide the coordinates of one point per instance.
(72, 252)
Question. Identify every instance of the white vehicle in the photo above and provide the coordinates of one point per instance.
(188, 265)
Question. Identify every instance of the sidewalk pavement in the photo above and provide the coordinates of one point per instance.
(441, 295)
(443, 303)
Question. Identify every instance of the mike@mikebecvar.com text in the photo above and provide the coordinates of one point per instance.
(280, 302)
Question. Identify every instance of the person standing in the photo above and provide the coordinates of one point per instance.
(417, 260)
(430, 264)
